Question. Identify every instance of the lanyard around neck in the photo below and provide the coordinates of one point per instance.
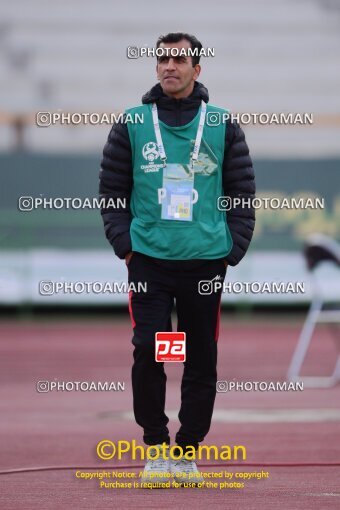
(197, 145)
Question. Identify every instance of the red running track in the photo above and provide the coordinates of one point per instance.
(294, 436)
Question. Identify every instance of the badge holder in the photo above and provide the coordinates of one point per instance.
(178, 189)
(178, 180)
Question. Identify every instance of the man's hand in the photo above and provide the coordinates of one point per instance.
(128, 257)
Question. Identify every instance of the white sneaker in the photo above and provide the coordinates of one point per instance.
(185, 471)
(156, 471)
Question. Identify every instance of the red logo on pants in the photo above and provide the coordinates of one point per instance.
(170, 346)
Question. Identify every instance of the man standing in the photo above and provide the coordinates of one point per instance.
(171, 170)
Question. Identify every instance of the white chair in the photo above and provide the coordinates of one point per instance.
(318, 249)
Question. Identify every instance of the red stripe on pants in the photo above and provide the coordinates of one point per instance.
(217, 330)
(130, 309)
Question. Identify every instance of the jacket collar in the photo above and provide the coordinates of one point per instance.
(156, 94)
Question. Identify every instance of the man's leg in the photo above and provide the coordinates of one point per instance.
(198, 316)
(150, 312)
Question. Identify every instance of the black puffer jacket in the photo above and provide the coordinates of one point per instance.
(116, 172)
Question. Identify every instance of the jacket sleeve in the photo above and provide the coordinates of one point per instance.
(115, 182)
(238, 182)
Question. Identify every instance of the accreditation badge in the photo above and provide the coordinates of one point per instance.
(178, 189)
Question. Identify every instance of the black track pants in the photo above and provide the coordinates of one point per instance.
(198, 317)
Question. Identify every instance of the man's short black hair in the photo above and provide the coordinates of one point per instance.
(174, 37)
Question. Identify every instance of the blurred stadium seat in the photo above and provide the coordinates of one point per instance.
(281, 57)
(62, 56)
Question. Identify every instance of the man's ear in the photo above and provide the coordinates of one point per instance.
(197, 71)
(157, 71)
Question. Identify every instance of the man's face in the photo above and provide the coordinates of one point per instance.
(176, 74)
